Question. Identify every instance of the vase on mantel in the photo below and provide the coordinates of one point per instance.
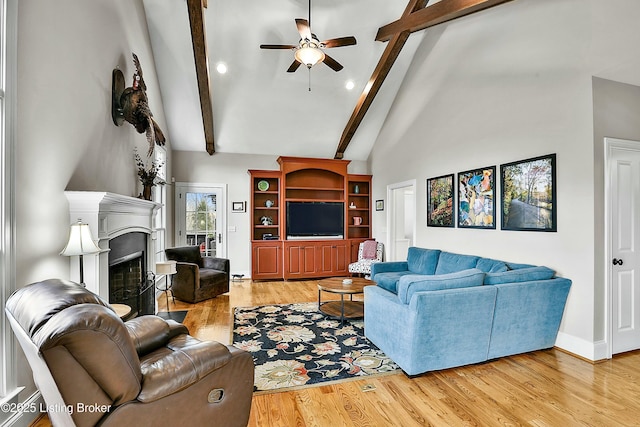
(146, 192)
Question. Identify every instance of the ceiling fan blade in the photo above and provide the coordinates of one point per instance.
(277, 46)
(332, 63)
(303, 28)
(340, 41)
(293, 67)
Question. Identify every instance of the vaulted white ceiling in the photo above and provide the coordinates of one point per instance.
(258, 107)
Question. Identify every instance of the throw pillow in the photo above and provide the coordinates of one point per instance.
(489, 265)
(450, 262)
(410, 284)
(422, 261)
(521, 275)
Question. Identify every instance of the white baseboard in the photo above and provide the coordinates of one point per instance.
(593, 351)
(23, 418)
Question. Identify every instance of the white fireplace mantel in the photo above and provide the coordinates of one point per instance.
(109, 215)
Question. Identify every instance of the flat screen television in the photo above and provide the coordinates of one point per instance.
(315, 219)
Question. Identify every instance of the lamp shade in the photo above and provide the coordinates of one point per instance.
(166, 268)
(80, 241)
(309, 56)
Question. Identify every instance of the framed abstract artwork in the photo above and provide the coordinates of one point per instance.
(528, 190)
(440, 201)
(476, 198)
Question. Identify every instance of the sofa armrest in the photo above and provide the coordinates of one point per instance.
(220, 264)
(387, 267)
(152, 332)
(184, 362)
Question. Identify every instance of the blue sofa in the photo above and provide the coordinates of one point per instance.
(439, 309)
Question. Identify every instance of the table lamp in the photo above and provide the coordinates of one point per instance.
(80, 243)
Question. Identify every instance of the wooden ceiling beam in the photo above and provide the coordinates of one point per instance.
(199, 42)
(416, 17)
(388, 58)
(443, 11)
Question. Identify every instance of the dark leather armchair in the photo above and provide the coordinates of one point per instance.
(94, 369)
(198, 277)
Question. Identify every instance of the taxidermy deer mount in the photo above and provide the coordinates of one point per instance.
(131, 104)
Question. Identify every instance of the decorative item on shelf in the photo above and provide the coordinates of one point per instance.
(357, 220)
(352, 206)
(356, 189)
(131, 104)
(266, 220)
(263, 185)
(80, 243)
(268, 203)
(148, 175)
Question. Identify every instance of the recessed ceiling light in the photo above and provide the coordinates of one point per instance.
(350, 85)
(221, 67)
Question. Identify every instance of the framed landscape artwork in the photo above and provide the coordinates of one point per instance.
(476, 198)
(440, 201)
(529, 194)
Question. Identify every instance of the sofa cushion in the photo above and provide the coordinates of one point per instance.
(516, 266)
(389, 280)
(489, 265)
(450, 263)
(422, 261)
(520, 275)
(410, 284)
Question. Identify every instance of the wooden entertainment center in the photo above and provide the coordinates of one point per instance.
(302, 180)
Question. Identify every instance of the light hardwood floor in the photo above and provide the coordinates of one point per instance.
(543, 388)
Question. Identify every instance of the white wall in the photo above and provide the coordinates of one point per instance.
(507, 84)
(232, 170)
(66, 139)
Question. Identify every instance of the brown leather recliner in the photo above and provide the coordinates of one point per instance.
(198, 277)
(93, 369)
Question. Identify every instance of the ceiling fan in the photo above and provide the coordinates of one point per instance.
(309, 50)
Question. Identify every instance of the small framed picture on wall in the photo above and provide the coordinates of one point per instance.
(476, 198)
(379, 205)
(238, 206)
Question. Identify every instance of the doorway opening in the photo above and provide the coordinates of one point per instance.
(401, 219)
(200, 217)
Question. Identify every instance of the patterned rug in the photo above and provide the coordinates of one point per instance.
(296, 346)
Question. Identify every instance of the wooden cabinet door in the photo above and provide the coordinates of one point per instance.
(267, 261)
(300, 260)
(332, 258)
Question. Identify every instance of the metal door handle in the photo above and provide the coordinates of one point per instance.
(617, 261)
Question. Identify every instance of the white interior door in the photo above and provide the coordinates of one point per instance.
(623, 203)
(200, 218)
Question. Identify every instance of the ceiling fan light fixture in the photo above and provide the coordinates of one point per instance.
(309, 55)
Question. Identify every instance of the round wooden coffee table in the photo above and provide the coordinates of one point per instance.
(343, 309)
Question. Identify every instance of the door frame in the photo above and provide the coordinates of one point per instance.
(391, 214)
(609, 144)
(181, 187)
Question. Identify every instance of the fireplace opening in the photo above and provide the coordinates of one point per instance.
(129, 282)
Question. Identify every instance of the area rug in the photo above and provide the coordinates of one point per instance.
(178, 316)
(296, 346)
